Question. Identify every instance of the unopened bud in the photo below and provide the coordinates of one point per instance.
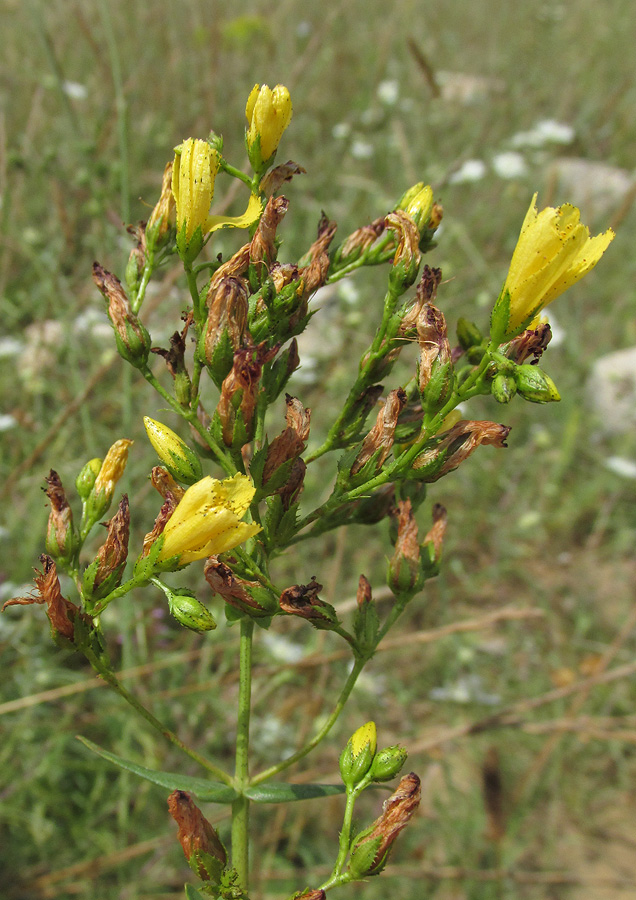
(268, 114)
(86, 478)
(132, 339)
(387, 763)
(533, 384)
(187, 609)
(417, 203)
(111, 470)
(358, 754)
(436, 374)
(180, 461)
(503, 387)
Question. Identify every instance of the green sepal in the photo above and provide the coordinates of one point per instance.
(193, 894)
(213, 791)
(500, 318)
(366, 627)
(222, 357)
(112, 581)
(276, 376)
(468, 334)
(136, 348)
(439, 388)
(145, 566)
(353, 768)
(280, 523)
(362, 857)
(213, 867)
(189, 250)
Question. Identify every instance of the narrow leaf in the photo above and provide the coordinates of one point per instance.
(280, 792)
(214, 791)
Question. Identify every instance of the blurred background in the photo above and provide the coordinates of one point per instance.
(489, 102)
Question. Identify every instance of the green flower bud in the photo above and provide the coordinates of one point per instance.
(503, 387)
(190, 612)
(357, 756)
(387, 763)
(533, 384)
(86, 478)
(182, 462)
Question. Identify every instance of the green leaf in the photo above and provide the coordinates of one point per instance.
(213, 791)
(281, 792)
(192, 893)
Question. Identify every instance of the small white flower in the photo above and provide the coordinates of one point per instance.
(471, 170)
(388, 92)
(7, 422)
(10, 346)
(547, 131)
(361, 149)
(626, 468)
(509, 165)
(341, 131)
(75, 90)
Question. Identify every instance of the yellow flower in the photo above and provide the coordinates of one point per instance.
(268, 114)
(207, 520)
(553, 252)
(195, 168)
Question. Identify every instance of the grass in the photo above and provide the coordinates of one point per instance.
(544, 526)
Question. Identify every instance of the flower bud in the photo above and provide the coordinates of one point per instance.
(132, 339)
(189, 611)
(101, 495)
(268, 114)
(503, 387)
(180, 461)
(417, 203)
(358, 754)
(387, 763)
(86, 478)
(449, 449)
(193, 173)
(405, 574)
(533, 384)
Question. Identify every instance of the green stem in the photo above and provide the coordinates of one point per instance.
(241, 806)
(111, 679)
(324, 731)
(344, 841)
(237, 173)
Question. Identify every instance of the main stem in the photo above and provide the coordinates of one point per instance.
(241, 806)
